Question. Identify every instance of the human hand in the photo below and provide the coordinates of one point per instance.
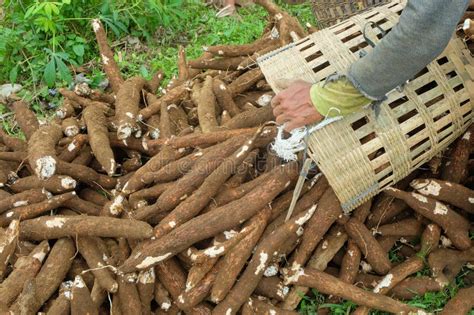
(293, 106)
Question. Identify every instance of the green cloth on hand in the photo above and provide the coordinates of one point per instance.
(337, 98)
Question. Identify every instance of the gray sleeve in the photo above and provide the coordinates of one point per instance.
(424, 30)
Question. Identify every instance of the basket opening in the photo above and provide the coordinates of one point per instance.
(407, 116)
(398, 102)
(451, 74)
(434, 100)
(321, 67)
(351, 36)
(425, 88)
(419, 144)
(416, 130)
(358, 47)
(371, 15)
(445, 127)
(435, 119)
(313, 56)
(422, 72)
(359, 123)
(343, 29)
(467, 114)
(385, 176)
(311, 44)
(444, 136)
(443, 60)
(367, 138)
(458, 87)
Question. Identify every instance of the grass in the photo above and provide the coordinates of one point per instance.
(430, 302)
(146, 55)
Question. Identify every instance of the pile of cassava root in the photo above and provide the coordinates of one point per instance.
(133, 203)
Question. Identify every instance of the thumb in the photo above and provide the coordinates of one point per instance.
(283, 84)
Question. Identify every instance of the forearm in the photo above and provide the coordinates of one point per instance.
(423, 32)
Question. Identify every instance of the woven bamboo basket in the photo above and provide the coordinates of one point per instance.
(330, 12)
(364, 152)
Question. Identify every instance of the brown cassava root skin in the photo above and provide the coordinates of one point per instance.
(171, 96)
(146, 289)
(455, 171)
(205, 102)
(328, 284)
(327, 213)
(127, 107)
(25, 268)
(12, 143)
(320, 259)
(98, 138)
(191, 297)
(234, 261)
(250, 118)
(384, 210)
(197, 139)
(192, 205)
(462, 303)
(184, 186)
(164, 157)
(41, 150)
(129, 299)
(411, 287)
(245, 81)
(25, 118)
(452, 193)
(34, 210)
(72, 150)
(272, 287)
(173, 278)
(110, 67)
(52, 227)
(395, 276)
(445, 263)
(407, 227)
(224, 98)
(81, 301)
(209, 224)
(268, 248)
(24, 198)
(89, 249)
(224, 64)
(56, 184)
(261, 307)
(53, 271)
(369, 246)
(455, 226)
(8, 241)
(237, 50)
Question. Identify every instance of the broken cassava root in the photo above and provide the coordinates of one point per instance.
(41, 150)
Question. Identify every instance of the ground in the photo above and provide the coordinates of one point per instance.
(43, 44)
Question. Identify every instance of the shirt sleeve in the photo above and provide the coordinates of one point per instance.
(337, 98)
(423, 32)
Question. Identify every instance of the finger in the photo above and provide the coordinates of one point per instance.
(277, 111)
(276, 100)
(281, 119)
(294, 123)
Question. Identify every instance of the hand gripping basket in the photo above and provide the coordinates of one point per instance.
(364, 152)
(329, 12)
